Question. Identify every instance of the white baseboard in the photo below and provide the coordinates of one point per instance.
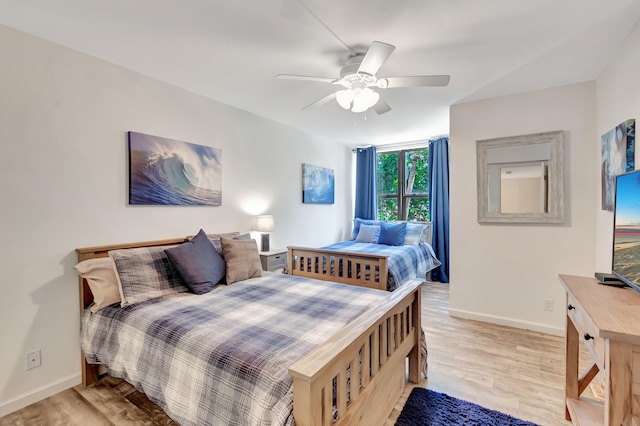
(21, 401)
(509, 322)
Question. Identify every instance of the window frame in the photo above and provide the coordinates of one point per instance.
(401, 196)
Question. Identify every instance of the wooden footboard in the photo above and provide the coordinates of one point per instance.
(360, 269)
(371, 350)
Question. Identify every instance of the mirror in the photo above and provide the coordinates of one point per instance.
(520, 179)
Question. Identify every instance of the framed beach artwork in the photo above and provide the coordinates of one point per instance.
(618, 156)
(169, 172)
(317, 185)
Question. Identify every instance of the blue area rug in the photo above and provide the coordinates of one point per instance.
(428, 408)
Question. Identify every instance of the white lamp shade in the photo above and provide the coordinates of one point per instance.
(264, 223)
(364, 99)
(344, 98)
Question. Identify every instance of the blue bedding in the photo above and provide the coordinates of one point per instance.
(406, 262)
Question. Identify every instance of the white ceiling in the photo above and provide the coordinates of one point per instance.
(231, 50)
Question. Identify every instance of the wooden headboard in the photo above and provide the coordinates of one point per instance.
(90, 371)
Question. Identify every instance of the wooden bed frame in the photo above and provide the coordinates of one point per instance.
(339, 266)
(342, 266)
(390, 332)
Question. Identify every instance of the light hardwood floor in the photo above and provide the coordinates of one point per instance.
(515, 371)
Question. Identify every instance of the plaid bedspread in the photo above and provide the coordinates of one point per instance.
(222, 358)
(406, 262)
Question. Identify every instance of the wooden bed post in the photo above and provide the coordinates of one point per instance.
(307, 410)
(415, 356)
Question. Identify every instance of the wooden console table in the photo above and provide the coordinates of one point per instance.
(607, 319)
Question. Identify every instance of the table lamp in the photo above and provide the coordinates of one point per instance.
(264, 224)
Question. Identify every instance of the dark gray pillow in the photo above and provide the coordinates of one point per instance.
(198, 263)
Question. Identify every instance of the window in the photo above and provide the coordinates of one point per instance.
(403, 185)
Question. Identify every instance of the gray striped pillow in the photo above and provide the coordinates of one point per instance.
(145, 273)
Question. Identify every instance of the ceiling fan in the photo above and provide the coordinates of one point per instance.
(360, 83)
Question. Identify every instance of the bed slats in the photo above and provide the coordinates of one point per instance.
(360, 269)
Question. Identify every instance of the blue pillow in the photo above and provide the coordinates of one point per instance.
(357, 222)
(368, 234)
(198, 263)
(392, 234)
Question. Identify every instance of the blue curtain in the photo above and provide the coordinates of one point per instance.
(439, 205)
(366, 192)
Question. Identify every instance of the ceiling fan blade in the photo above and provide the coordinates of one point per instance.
(305, 78)
(381, 106)
(320, 102)
(419, 81)
(374, 58)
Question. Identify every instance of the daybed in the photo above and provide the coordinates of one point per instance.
(273, 349)
(366, 259)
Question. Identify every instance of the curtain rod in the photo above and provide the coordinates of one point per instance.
(423, 143)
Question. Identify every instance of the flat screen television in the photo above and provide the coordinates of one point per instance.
(626, 229)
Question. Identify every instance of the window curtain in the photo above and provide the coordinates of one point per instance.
(439, 205)
(366, 192)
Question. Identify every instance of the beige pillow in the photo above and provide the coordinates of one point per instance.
(101, 277)
(241, 259)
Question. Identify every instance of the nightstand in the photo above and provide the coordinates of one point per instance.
(273, 260)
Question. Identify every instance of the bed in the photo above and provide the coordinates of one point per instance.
(367, 262)
(310, 382)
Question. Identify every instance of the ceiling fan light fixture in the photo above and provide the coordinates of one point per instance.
(364, 99)
(345, 97)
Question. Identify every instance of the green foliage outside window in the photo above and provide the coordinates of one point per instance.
(387, 174)
(388, 209)
(409, 202)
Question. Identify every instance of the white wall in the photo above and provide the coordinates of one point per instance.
(63, 173)
(617, 99)
(502, 273)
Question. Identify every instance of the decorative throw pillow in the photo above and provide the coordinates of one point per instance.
(101, 277)
(413, 237)
(392, 234)
(215, 239)
(198, 263)
(357, 222)
(426, 233)
(144, 273)
(368, 234)
(241, 258)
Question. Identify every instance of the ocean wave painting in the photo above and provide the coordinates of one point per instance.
(618, 156)
(317, 185)
(169, 172)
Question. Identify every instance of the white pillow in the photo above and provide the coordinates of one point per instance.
(100, 274)
(368, 234)
(414, 235)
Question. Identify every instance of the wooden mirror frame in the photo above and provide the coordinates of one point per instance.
(555, 211)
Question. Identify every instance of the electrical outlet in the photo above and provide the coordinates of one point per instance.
(33, 359)
(548, 304)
